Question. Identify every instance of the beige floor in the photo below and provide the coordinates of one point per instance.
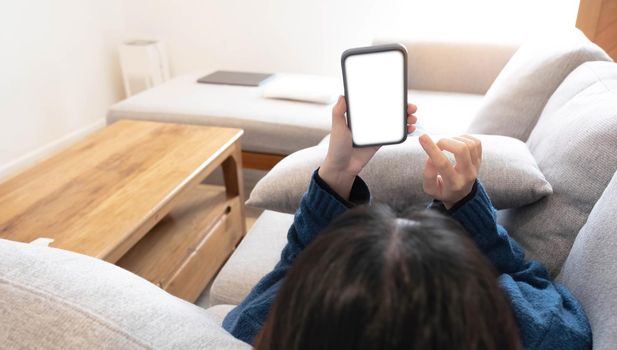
(251, 216)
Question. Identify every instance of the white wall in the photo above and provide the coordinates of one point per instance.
(268, 35)
(309, 36)
(58, 74)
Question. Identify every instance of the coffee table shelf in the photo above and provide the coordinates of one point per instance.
(191, 240)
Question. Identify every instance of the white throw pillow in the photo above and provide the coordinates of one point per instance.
(509, 173)
(515, 100)
(302, 87)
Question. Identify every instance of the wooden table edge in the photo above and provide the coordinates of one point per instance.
(113, 254)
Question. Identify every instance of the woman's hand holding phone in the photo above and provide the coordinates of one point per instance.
(443, 180)
(449, 182)
(344, 162)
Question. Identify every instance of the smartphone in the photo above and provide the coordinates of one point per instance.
(375, 82)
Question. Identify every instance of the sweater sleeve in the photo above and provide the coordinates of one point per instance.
(548, 315)
(318, 207)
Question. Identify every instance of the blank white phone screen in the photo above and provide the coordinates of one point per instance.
(375, 94)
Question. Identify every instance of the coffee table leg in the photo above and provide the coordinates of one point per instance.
(234, 181)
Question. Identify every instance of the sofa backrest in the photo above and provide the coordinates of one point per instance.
(453, 66)
(516, 99)
(590, 271)
(55, 299)
(574, 144)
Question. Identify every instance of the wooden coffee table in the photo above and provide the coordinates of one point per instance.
(133, 194)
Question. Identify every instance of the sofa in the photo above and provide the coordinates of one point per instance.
(560, 99)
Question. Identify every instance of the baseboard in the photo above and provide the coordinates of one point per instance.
(42, 152)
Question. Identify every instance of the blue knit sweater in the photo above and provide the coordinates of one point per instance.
(548, 315)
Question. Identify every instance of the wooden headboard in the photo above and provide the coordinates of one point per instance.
(598, 20)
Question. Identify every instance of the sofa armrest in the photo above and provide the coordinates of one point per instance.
(453, 66)
(56, 299)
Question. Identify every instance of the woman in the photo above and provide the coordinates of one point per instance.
(366, 278)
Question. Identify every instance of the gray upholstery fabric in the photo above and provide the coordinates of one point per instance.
(394, 175)
(574, 144)
(590, 270)
(453, 66)
(259, 251)
(33, 320)
(218, 312)
(514, 102)
(54, 299)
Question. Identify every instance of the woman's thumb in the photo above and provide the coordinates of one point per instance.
(338, 111)
(339, 108)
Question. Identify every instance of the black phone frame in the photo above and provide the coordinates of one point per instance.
(369, 50)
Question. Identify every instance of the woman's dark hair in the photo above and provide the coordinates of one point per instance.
(375, 281)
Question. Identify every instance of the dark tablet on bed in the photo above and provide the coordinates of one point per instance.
(234, 78)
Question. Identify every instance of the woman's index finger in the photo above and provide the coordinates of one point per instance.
(441, 162)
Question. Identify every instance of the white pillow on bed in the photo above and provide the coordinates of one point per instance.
(302, 87)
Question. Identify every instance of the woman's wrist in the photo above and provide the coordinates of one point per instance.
(339, 180)
(464, 199)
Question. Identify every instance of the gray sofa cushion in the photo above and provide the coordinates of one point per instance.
(55, 299)
(218, 312)
(259, 251)
(394, 176)
(514, 102)
(31, 320)
(574, 144)
(590, 270)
